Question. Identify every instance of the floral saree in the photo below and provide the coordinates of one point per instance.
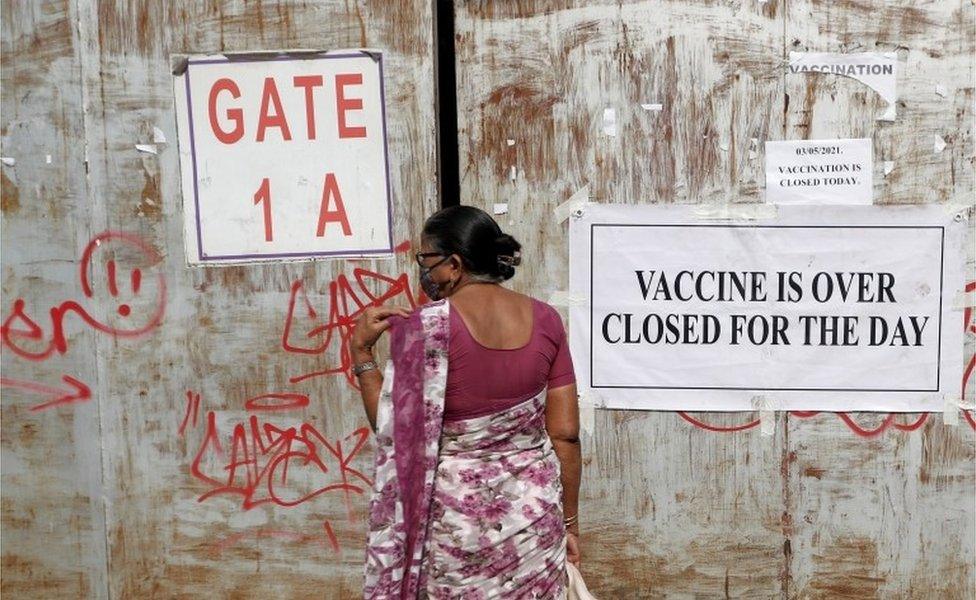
(459, 509)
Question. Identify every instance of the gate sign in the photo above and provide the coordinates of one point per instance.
(806, 308)
(283, 157)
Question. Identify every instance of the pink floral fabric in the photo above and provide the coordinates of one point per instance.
(496, 528)
(466, 509)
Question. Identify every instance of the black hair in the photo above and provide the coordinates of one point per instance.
(475, 236)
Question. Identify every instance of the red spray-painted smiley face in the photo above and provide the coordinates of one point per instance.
(130, 293)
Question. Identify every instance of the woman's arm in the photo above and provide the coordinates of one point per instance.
(373, 321)
(370, 384)
(562, 423)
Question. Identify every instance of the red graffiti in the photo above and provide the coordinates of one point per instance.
(305, 333)
(263, 457)
(258, 459)
(192, 408)
(77, 392)
(969, 324)
(106, 309)
(263, 460)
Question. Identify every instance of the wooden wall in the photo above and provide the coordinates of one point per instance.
(136, 484)
(101, 497)
(823, 508)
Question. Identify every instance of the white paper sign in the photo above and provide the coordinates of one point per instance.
(284, 157)
(877, 70)
(819, 308)
(819, 172)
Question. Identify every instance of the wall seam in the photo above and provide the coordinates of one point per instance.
(87, 48)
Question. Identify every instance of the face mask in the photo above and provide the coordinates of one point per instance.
(430, 287)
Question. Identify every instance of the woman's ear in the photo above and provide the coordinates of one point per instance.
(457, 262)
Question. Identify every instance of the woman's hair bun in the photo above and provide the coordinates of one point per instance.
(509, 255)
(505, 245)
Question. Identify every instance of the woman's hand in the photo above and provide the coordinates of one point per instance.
(373, 321)
(573, 548)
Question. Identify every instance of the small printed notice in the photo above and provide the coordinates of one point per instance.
(819, 172)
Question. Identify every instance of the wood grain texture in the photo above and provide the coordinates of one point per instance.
(98, 498)
(669, 509)
(51, 469)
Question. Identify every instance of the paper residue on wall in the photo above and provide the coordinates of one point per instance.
(610, 122)
(877, 70)
(577, 200)
(8, 160)
(939, 144)
(147, 148)
(652, 107)
(500, 208)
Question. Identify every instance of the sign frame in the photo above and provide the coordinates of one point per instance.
(951, 238)
(183, 94)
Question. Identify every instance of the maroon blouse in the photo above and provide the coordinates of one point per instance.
(482, 380)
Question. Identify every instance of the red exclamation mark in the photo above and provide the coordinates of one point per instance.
(113, 288)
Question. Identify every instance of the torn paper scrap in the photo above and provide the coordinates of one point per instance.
(510, 142)
(877, 70)
(512, 173)
(500, 208)
(767, 418)
(950, 411)
(889, 166)
(8, 160)
(939, 144)
(652, 107)
(586, 413)
(158, 136)
(941, 90)
(610, 122)
(819, 172)
(147, 148)
(577, 200)
(566, 298)
(47, 158)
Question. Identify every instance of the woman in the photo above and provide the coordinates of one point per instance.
(476, 419)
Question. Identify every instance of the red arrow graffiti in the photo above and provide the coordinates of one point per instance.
(78, 391)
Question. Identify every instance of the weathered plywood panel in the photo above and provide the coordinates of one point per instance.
(146, 491)
(51, 468)
(666, 509)
(891, 515)
(176, 408)
(223, 339)
(703, 505)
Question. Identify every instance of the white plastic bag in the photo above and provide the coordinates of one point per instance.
(577, 589)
